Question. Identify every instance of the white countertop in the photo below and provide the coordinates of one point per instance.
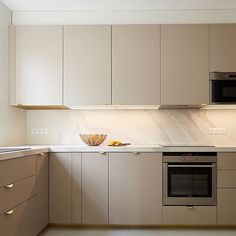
(133, 148)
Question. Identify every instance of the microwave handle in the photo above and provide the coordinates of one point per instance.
(188, 166)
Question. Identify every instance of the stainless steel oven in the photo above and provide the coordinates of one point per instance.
(189, 178)
(223, 88)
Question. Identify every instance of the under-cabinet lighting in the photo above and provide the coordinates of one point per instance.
(115, 107)
(219, 107)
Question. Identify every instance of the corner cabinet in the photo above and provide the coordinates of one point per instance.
(184, 64)
(135, 188)
(136, 65)
(87, 65)
(38, 65)
(222, 47)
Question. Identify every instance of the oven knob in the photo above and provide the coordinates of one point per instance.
(195, 158)
(183, 158)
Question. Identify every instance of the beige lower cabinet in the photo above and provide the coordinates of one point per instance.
(42, 192)
(226, 206)
(76, 188)
(60, 188)
(135, 188)
(94, 188)
(183, 215)
(19, 221)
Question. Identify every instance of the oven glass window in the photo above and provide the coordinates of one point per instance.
(189, 181)
(224, 91)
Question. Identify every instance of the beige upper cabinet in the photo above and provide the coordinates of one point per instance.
(135, 188)
(87, 65)
(38, 65)
(223, 47)
(184, 64)
(136, 64)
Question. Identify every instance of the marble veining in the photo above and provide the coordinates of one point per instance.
(140, 127)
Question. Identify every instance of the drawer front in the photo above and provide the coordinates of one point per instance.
(226, 161)
(226, 207)
(226, 178)
(16, 169)
(182, 215)
(16, 193)
(21, 221)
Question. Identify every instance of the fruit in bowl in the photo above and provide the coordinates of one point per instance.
(93, 139)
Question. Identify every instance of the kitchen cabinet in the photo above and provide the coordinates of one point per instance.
(38, 65)
(42, 203)
(183, 215)
(94, 188)
(135, 64)
(87, 65)
(60, 188)
(184, 64)
(222, 47)
(226, 192)
(135, 188)
(76, 190)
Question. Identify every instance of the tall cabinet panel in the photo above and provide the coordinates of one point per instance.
(60, 188)
(184, 64)
(223, 47)
(38, 65)
(136, 64)
(87, 65)
(135, 188)
(95, 188)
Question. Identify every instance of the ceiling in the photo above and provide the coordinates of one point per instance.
(122, 5)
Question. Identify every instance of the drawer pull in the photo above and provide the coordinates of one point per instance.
(103, 153)
(9, 212)
(42, 154)
(136, 153)
(9, 186)
(190, 207)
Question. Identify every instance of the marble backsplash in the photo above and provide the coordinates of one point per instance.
(140, 127)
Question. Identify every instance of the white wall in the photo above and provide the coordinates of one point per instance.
(12, 120)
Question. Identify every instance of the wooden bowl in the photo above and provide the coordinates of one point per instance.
(93, 139)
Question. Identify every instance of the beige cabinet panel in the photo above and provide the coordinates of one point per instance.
(182, 215)
(60, 188)
(38, 65)
(135, 188)
(87, 65)
(226, 178)
(184, 64)
(226, 161)
(226, 206)
(21, 222)
(136, 64)
(223, 47)
(9, 169)
(76, 190)
(95, 188)
(42, 192)
(15, 194)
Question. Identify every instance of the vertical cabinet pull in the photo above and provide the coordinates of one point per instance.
(9, 186)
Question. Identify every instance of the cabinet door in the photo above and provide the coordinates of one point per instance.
(95, 188)
(136, 64)
(38, 65)
(226, 206)
(184, 64)
(87, 65)
(135, 188)
(76, 188)
(42, 192)
(223, 47)
(60, 188)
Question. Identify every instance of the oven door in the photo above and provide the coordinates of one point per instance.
(223, 91)
(189, 184)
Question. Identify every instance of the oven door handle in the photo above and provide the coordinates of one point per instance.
(188, 166)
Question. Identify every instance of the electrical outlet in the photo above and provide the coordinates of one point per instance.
(33, 131)
(218, 130)
(44, 131)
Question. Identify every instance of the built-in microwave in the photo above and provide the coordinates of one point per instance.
(223, 87)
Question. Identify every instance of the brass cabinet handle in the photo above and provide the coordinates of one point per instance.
(136, 153)
(9, 186)
(104, 153)
(10, 212)
(42, 154)
(190, 207)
